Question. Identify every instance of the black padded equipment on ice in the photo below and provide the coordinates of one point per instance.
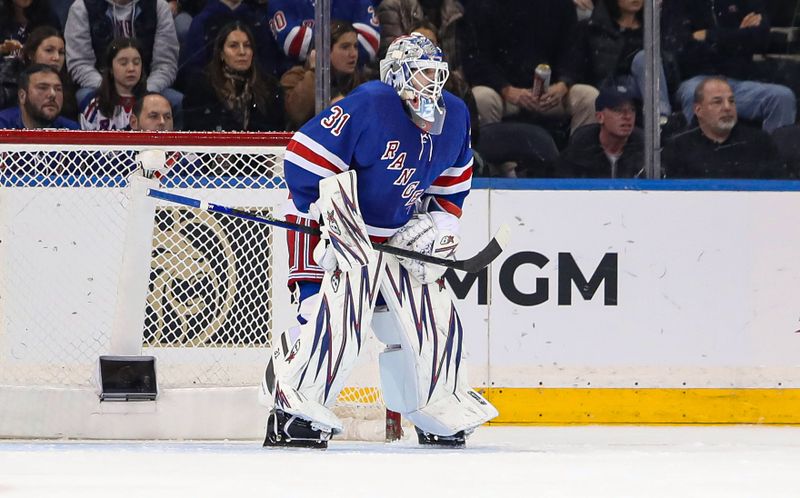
(457, 440)
(288, 430)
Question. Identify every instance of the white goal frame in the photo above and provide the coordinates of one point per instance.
(66, 217)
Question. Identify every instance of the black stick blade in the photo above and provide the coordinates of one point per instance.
(488, 254)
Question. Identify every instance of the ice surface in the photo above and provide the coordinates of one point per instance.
(617, 461)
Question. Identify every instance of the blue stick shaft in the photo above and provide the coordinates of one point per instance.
(215, 208)
(471, 265)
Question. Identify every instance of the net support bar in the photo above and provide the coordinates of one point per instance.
(129, 316)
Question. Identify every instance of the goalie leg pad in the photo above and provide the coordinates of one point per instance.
(399, 380)
(293, 404)
(452, 414)
(310, 363)
(422, 373)
(342, 225)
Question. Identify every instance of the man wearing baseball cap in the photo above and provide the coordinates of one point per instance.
(611, 148)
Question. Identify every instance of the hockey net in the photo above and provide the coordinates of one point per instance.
(216, 288)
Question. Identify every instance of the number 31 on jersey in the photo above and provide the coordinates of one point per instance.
(336, 121)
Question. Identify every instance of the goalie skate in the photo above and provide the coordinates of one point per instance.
(457, 440)
(284, 429)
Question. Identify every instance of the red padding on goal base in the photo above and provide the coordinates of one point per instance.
(394, 426)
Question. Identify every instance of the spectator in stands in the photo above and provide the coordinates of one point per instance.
(291, 23)
(234, 95)
(110, 107)
(299, 85)
(607, 42)
(612, 148)
(400, 17)
(610, 46)
(17, 19)
(183, 12)
(20, 17)
(720, 38)
(45, 45)
(719, 147)
(10, 68)
(40, 98)
(515, 149)
(93, 24)
(206, 26)
(504, 42)
(152, 112)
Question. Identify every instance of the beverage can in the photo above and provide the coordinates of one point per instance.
(541, 80)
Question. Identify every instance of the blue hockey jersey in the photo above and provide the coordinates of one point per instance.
(395, 161)
(292, 22)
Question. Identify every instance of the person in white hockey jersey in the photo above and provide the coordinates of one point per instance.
(390, 162)
(110, 106)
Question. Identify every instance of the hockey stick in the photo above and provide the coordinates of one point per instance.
(471, 265)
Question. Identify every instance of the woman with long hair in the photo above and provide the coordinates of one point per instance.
(234, 94)
(17, 19)
(45, 45)
(20, 17)
(123, 82)
(299, 82)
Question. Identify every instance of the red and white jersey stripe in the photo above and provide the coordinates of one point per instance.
(314, 157)
(452, 180)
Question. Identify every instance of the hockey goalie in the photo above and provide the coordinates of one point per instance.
(390, 162)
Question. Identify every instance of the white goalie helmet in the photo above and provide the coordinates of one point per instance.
(415, 68)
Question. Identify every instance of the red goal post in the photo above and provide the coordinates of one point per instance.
(215, 291)
(144, 138)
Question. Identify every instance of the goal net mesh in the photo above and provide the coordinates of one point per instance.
(216, 286)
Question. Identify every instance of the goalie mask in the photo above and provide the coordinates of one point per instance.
(413, 66)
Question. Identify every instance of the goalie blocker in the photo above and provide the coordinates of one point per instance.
(423, 376)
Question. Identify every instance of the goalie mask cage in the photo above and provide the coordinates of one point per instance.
(215, 286)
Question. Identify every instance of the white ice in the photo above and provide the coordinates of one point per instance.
(617, 461)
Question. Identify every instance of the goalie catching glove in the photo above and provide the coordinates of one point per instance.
(434, 234)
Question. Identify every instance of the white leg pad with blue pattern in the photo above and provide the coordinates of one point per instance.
(314, 360)
(423, 375)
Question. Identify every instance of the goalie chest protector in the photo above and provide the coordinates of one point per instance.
(396, 162)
